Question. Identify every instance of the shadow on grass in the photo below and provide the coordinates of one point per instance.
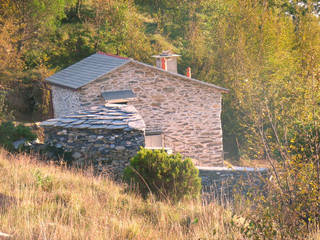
(6, 202)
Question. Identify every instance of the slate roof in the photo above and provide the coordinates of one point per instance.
(99, 64)
(109, 116)
(87, 70)
(113, 95)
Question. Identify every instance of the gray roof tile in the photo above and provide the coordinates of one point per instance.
(99, 64)
(87, 70)
(115, 116)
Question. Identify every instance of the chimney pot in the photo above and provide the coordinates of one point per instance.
(189, 72)
(164, 63)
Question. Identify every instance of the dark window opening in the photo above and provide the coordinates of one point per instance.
(119, 97)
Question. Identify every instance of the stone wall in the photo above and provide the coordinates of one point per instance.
(106, 137)
(65, 101)
(187, 112)
(108, 151)
(223, 182)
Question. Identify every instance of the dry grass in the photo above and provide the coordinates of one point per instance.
(38, 201)
(243, 162)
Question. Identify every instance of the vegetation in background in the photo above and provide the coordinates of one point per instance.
(9, 133)
(4, 113)
(167, 176)
(288, 206)
(265, 52)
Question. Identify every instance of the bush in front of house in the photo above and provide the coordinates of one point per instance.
(167, 176)
(9, 133)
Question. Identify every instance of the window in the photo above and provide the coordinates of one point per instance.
(121, 96)
(154, 141)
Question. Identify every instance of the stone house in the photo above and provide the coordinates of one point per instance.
(180, 112)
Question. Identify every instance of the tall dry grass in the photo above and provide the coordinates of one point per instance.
(39, 201)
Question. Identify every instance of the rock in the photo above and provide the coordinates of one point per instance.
(120, 148)
(58, 145)
(76, 155)
(116, 126)
(82, 126)
(48, 123)
(63, 132)
(97, 126)
(19, 143)
(102, 122)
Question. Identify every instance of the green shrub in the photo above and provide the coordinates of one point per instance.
(10, 133)
(288, 207)
(166, 176)
(304, 139)
(43, 181)
(4, 112)
(59, 155)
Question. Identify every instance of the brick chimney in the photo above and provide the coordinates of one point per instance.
(167, 61)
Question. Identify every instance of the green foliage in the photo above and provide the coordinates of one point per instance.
(5, 114)
(2, 107)
(166, 176)
(10, 133)
(31, 98)
(58, 154)
(303, 140)
(266, 52)
(289, 206)
(268, 59)
(44, 182)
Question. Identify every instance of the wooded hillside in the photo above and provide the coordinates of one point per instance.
(267, 52)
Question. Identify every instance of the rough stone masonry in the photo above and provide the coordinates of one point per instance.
(106, 136)
(187, 112)
(224, 183)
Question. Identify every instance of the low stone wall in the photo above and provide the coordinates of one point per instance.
(108, 151)
(106, 136)
(223, 183)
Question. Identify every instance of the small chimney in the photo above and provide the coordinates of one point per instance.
(164, 64)
(189, 72)
(167, 61)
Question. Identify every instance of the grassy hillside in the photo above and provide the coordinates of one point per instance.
(39, 201)
(48, 202)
